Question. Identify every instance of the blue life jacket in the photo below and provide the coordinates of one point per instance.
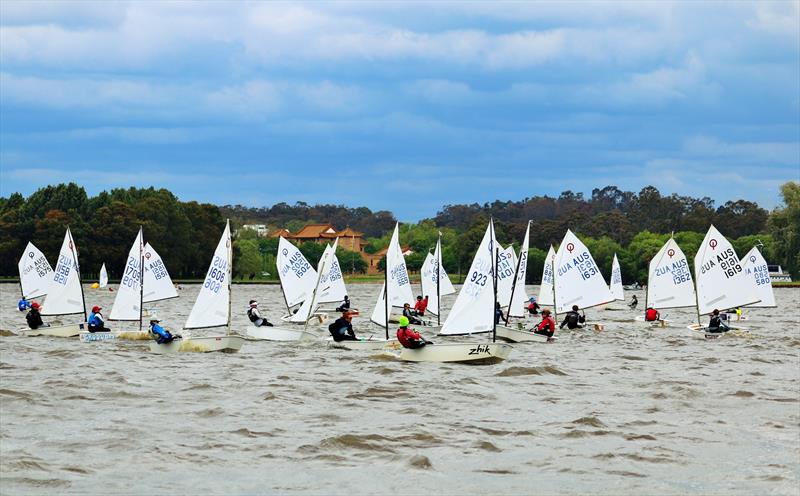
(94, 320)
(162, 336)
(23, 305)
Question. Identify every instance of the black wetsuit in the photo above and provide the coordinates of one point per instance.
(572, 320)
(716, 325)
(342, 330)
(34, 319)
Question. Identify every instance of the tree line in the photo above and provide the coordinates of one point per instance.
(634, 226)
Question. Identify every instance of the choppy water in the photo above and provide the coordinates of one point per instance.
(625, 411)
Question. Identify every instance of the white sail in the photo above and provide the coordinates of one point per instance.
(64, 294)
(212, 306)
(755, 267)
(546, 289)
(506, 266)
(297, 276)
(127, 303)
(518, 299)
(311, 303)
(103, 282)
(432, 267)
(669, 280)
(157, 282)
(399, 284)
(578, 280)
(473, 311)
(379, 312)
(721, 280)
(616, 280)
(332, 288)
(35, 273)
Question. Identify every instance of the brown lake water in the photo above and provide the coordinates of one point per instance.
(625, 411)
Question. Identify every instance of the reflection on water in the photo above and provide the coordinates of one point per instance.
(624, 411)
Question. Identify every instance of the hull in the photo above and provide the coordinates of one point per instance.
(653, 323)
(701, 331)
(91, 337)
(267, 333)
(88, 337)
(316, 318)
(204, 344)
(519, 336)
(458, 352)
(367, 344)
(62, 331)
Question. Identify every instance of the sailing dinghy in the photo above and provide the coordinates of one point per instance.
(616, 281)
(435, 281)
(35, 273)
(211, 309)
(669, 282)
(472, 313)
(297, 279)
(64, 294)
(103, 282)
(721, 281)
(755, 267)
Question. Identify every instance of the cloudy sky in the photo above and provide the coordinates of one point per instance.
(401, 106)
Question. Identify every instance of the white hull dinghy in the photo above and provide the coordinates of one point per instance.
(89, 337)
(61, 331)
(201, 344)
(315, 318)
(701, 331)
(267, 333)
(458, 352)
(364, 344)
(652, 323)
(519, 335)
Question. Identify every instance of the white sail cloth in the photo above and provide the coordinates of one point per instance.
(157, 282)
(296, 274)
(578, 280)
(756, 268)
(721, 280)
(35, 273)
(546, 289)
(669, 282)
(212, 307)
(65, 294)
(103, 282)
(399, 288)
(332, 287)
(127, 303)
(616, 281)
(516, 307)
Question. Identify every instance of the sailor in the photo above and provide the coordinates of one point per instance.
(715, 325)
(651, 315)
(420, 305)
(345, 306)
(533, 307)
(23, 304)
(161, 335)
(410, 338)
(547, 327)
(96, 321)
(633, 303)
(407, 313)
(34, 318)
(498, 313)
(573, 320)
(255, 317)
(342, 328)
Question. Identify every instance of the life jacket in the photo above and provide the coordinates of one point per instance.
(34, 320)
(94, 321)
(547, 324)
(650, 315)
(407, 336)
(573, 319)
(22, 305)
(250, 315)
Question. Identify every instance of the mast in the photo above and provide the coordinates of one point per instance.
(386, 291)
(438, 280)
(230, 270)
(78, 270)
(555, 302)
(494, 283)
(141, 277)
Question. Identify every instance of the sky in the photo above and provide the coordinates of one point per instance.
(401, 106)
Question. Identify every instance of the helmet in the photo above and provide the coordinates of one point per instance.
(35, 305)
(96, 309)
(403, 321)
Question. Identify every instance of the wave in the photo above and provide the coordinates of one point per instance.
(517, 371)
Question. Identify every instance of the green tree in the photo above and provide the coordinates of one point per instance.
(784, 226)
(247, 259)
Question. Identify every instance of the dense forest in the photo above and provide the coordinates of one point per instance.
(633, 225)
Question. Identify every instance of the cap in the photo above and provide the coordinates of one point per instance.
(35, 305)
(403, 321)
(253, 303)
(96, 309)
(154, 319)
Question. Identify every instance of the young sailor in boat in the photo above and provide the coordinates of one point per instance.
(161, 335)
(410, 338)
(716, 325)
(533, 307)
(34, 318)
(342, 328)
(255, 317)
(634, 302)
(96, 321)
(651, 315)
(23, 305)
(345, 305)
(573, 320)
(407, 313)
(547, 327)
(420, 305)
(498, 313)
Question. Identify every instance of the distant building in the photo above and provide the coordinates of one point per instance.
(326, 233)
(260, 229)
(777, 274)
(373, 259)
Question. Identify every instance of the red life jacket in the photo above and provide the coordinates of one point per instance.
(650, 315)
(405, 336)
(421, 305)
(547, 324)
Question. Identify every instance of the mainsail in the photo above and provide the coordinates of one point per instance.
(546, 289)
(35, 273)
(721, 280)
(127, 303)
(616, 280)
(578, 280)
(506, 265)
(296, 274)
(518, 297)
(669, 281)
(399, 287)
(212, 307)
(65, 294)
(157, 283)
(103, 282)
(756, 268)
(473, 311)
(331, 284)
(430, 268)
